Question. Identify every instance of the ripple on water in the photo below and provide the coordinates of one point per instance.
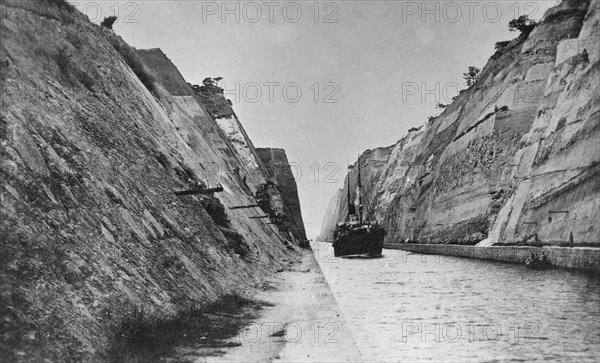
(408, 307)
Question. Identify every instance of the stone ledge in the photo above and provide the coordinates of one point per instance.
(580, 258)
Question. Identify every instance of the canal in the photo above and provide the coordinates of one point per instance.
(408, 307)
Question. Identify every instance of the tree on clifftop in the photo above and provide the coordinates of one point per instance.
(522, 24)
(210, 85)
(471, 76)
(108, 22)
(208, 82)
(501, 45)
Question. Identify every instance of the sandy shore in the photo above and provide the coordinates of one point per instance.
(304, 323)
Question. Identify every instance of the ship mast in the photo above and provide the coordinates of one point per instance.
(359, 191)
(349, 202)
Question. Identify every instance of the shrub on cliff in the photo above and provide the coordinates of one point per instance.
(217, 212)
(471, 76)
(212, 98)
(108, 22)
(501, 45)
(522, 24)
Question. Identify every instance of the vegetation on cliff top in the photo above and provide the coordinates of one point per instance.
(213, 99)
(108, 22)
(522, 24)
(471, 76)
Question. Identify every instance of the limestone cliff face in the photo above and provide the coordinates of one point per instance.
(94, 144)
(226, 131)
(278, 167)
(514, 156)
(331, 218)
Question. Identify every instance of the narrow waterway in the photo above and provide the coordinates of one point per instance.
(407, 307)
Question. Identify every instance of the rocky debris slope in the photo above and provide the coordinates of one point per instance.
(513, 160)
(95, 139)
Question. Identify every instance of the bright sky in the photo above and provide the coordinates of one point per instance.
(363, 68)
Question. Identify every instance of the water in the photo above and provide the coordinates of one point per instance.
(408, 307)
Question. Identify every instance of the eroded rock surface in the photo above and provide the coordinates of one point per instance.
(91, 156)
(278, 167)
(513, 159)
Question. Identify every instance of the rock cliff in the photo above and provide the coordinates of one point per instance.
(95, 139)
(332, 216)
(281, 173)
(513, 160)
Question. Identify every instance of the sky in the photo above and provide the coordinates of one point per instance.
(324, 80)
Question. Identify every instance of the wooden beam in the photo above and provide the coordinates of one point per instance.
(245, 206)
(198, 191)
(258, 217)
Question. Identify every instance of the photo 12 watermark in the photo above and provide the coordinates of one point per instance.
(444, 94)
(96, 11)
(391, 258)
(326, 12)
(324, 332)
(469, 11)
(327, 172)
(278, 92)
(453, 332)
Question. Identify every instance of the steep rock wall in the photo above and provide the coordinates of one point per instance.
(90, 224)
(331, 218)
(278, 167)
(240, 159)
(226, 133)
(513, 159)
(260, 166)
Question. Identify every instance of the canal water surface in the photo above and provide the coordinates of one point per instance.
(408, 307)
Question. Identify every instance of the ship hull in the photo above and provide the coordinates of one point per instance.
(360, 241)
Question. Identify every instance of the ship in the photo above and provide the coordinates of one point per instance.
(357, 235)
